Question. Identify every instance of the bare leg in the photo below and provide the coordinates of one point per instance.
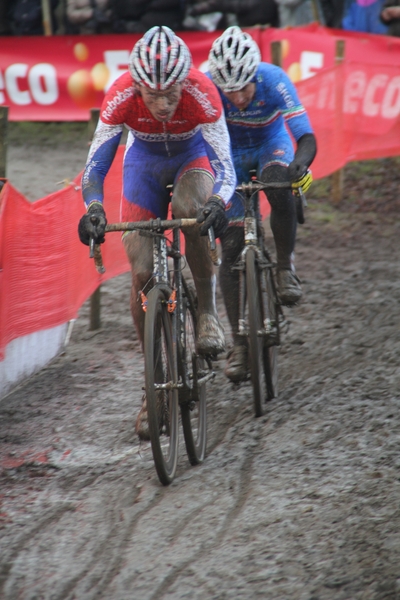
(140, 254)
(190, 193)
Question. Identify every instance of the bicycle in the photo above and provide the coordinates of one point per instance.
(175, 375)
(261, 317)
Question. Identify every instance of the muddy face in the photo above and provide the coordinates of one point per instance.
(161, 103)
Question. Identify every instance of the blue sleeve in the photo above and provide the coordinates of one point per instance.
(292, 110)
(101, 155)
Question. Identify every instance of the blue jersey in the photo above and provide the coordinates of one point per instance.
(259, 133)
(275, 105)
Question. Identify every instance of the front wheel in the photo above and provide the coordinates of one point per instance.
(256, 344)
(270, 352)
(194, 396)
(161, 379)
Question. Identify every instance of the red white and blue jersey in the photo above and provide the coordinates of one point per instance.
(197, 129)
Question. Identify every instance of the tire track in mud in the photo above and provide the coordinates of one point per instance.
(316, 476)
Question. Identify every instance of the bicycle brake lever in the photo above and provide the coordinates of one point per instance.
(302, 196)
(91, 247)
(211, 239)
(213, 247)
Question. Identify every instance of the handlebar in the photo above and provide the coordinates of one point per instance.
(153, 225)
(258, 186)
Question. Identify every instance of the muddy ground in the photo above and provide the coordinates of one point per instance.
(302, 504)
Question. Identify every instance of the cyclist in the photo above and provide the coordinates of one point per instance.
(259, 102)
(177, 133)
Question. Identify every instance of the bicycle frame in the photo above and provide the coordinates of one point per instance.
(253, 239)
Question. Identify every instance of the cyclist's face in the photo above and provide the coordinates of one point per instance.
(243, 97)
(162, 103)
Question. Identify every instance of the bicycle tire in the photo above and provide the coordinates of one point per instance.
(160, 368)
(270, 352)
(256, 354)
(194, 400)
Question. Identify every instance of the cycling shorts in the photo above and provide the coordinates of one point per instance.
(146, 176)
(277, 151)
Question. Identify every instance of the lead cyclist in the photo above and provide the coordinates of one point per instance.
(259, 102)
(177, 133)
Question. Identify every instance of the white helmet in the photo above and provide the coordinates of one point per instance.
(233, 59)
(160, 59)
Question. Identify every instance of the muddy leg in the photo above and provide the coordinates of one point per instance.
(140, 254)
(190, 193)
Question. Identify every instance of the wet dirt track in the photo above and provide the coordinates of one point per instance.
(303, 503)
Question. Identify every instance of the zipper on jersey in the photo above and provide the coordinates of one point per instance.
(166, 141)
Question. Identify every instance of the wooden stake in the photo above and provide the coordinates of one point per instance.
(3, 140)
(46, 17)
(276, 53)
(337, 178)
(95, 298)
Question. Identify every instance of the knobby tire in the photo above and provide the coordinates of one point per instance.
(256, 356)
(193, 397)
(160, 367)
(271, 352)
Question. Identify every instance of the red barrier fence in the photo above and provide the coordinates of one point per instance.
(45, 273)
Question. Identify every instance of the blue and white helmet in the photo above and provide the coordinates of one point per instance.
(160, 59)
(233, 59)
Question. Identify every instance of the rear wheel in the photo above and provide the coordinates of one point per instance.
(161, 377)
(194, 394)
(256, 356)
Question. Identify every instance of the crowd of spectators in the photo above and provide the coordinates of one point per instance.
(24, 17)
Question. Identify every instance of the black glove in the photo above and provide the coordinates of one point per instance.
(296, 170)
(305, 154)
(93, 225)
(212, 214)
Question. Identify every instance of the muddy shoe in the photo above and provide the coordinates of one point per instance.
(237, 365)
(210, 336)
(289, 289)
(142, 423)
(142, 420)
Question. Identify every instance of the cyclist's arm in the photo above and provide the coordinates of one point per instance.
(218, 147)
(101, 155)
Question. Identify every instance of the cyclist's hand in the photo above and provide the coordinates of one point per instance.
(212, 214)
(93, 225)
(300, 176)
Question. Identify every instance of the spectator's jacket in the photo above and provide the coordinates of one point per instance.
(275, 105)
(198, 119)
(363, 15)
(393, 26)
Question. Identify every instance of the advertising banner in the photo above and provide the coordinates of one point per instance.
(61, 78)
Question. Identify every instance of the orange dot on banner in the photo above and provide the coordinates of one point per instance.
(81, 89)
(294, 72)
(100, 74)
(285, 45)
(81, 51)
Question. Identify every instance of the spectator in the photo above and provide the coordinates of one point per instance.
(247, 12)
(25, 17)
(363, 15)
(390, 16)
(332, 12)
(88, 16)
(137, 16)
(295, 12)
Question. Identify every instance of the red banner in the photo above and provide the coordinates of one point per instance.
(60, 78)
